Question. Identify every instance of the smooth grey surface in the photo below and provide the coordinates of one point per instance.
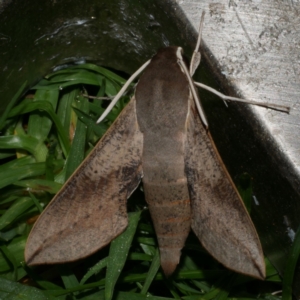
(256, 45)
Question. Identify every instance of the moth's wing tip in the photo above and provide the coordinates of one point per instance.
(254, 268)
(33, 261)
(69, 247)
(29, 253)
(260, 270)
(28, 260)
(34, 256)
(249, 260)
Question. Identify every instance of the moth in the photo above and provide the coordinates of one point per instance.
(161, 138)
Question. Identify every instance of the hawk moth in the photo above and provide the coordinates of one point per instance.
(158, 139)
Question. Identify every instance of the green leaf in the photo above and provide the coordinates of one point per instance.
(69, 279)
(51, 288)
(134, 296)
(64, 110)
(16, 210)
(152, 272)
(12, 103)
(90, 67)
(61, 83)
(36, 203)
(291, 264)
(47, 107)
(99, 129)
(39, 123)
(10, 174)
(94, 270)
(76, 154)
(7, 153)
(16, 248)
(12, 290)
(11, 260)
(40, 185)
(118, 253)
(28, 143)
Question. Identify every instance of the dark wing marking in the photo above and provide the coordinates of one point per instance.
(219, 217)
(90, 209)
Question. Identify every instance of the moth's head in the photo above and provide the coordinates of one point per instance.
(170, 53)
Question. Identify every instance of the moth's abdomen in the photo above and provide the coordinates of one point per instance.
(169, 205)
(167, 195)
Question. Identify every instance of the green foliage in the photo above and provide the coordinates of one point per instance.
(44, 139)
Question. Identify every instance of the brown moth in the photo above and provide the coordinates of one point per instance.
(160, 139)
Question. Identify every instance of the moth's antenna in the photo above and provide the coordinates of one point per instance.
(196, 58)
(192, 87)
(122, 90)
(278, 107)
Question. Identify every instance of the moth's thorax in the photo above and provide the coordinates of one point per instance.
(162, 94)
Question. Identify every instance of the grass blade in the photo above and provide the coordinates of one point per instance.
(12, 103)
(118, 253)
(289, 271)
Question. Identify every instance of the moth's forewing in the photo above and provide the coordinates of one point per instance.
(90, 210)
(219, 217)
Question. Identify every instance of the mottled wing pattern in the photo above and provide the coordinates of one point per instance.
(90, 209)
(219, 217)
